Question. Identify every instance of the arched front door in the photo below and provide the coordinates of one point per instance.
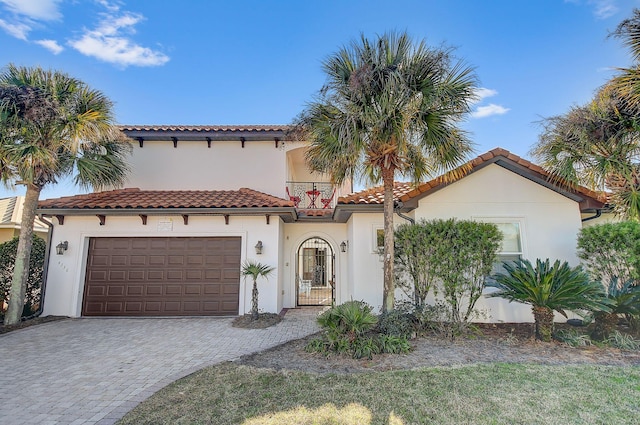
(315, 276)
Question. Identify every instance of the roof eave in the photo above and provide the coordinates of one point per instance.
(204, 135)
(288, 214)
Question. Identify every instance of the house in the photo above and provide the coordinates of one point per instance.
(201, 200)
(11, 218)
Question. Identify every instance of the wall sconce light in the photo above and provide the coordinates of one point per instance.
(259, 247)
(344, 245)
(62, 247)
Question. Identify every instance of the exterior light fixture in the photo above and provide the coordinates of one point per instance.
(344, 245)
(259, 247)
(62, 247)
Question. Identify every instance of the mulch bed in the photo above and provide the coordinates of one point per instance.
(264, 321)
(500, 342)
(27, 323)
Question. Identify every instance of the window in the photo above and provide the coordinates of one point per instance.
(377, 243)
(511, 249)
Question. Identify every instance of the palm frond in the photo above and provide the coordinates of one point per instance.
(556, 286)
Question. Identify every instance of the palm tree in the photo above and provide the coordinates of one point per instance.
(389, 106)
(548, 288)
(53, 126)
(255, 270)
(598, 146)
(625, 300)
(627, 82)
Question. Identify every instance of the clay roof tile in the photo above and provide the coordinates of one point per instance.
(133, 198)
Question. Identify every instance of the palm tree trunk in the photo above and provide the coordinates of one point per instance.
(23, 255)
(389, 284)
(254, 301)
(544, 323)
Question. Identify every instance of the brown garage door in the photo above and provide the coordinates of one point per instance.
(162, 277)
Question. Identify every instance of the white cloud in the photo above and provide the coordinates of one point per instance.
(25, 14)
(489, 110)
(483, 93)
(50, 45)
(17, 30)
(109, 42)
(603, 9)
(38, 10)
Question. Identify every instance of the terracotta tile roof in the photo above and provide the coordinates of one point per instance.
(405, 191)
(375, 195)
(204, 128)
(135, 198)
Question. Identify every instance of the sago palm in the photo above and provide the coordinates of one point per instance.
(53, 126)
(624, 299)
(390, 106)
(255, 270)
(547, 288)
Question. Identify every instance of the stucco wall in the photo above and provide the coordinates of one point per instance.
(366, 274)
(550, 222)
(549, 226)
(65, 279)
(293, 236)
(192, 166)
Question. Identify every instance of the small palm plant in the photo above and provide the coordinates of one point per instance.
(625, 299)
(255, 270)
(548, 288)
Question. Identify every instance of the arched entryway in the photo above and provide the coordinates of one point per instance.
(315, 277)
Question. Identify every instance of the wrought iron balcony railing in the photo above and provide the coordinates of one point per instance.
(312, 195)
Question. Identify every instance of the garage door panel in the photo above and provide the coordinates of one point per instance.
(136, 275)
(162, 276)
(175, 275)
(135, 290)
(155, 275)
(157, 260)
(154, 290)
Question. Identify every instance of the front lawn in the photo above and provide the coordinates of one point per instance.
(479, 394)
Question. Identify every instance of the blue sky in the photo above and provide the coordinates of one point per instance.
(258, 62)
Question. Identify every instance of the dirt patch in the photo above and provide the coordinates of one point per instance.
(504, 343)
(264, 320)
(27, 323)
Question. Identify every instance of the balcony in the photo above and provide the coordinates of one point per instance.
(313, 195)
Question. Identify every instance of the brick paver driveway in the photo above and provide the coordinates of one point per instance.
(93, 371)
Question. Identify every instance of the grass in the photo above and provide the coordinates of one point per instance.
(478, 394)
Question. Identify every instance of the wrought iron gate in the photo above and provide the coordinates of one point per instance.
(315, 273)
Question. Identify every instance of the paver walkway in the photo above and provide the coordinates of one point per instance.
(93, 371)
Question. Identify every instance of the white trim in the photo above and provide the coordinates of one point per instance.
(520, 220)
(375, 248)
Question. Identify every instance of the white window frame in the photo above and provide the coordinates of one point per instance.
(520, 221)
(375, 248)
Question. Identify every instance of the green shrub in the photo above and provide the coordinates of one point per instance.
(393, 344)
(573, 338)
(624, 299)
(611, 250)
(348, 330)
(451, 257)
(34, 278)
(622, 341)
(350, 320)
(396, 323)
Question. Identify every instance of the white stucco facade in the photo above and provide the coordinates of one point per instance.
(547, 221)
(66, 273)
